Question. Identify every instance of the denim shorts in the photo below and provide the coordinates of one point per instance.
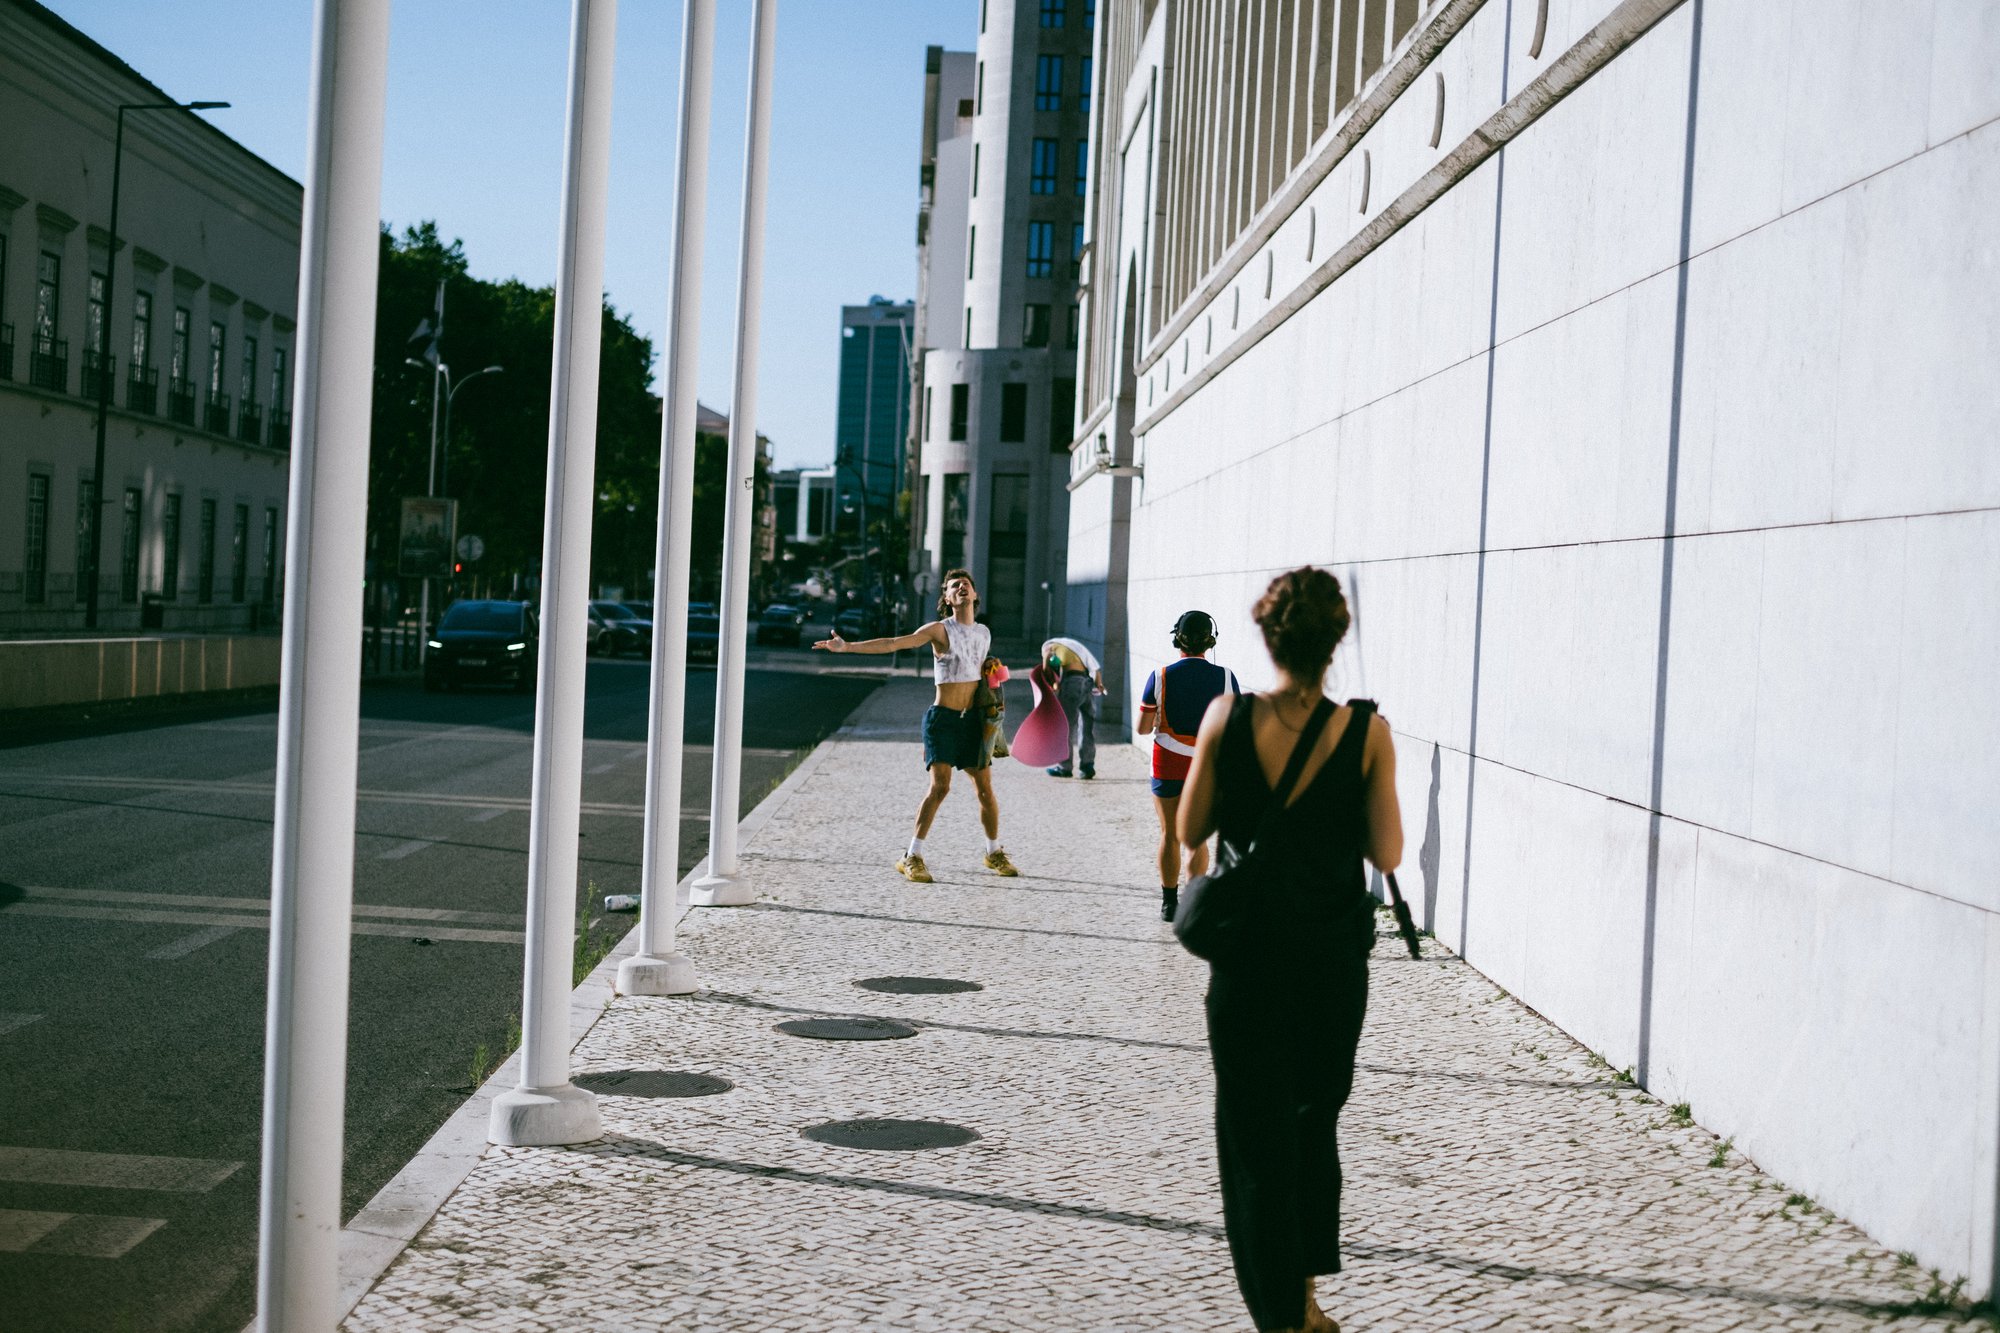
(1169, 787)
(956, 737)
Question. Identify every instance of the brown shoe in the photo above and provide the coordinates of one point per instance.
(914, 870)
(998, 863)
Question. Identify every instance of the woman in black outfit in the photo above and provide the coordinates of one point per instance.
(1283, 1026)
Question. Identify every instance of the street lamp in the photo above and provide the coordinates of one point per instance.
(451, 392)
(103, 348)
(439, 370)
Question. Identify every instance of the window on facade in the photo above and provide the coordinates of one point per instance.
(86, 556)
(1048, 83)
(239, 556)
(971, 249)
(170, 549)
(1006, 590)
(204, 555)
(1013, 413)
(1042, 167)
(1083, 93)
(128, 548)
(93, 317)
(982, 17)
(1054, 12)
(957, 494)
(968, 326)
(247, 385)
(177, 365)
(278, 378)
(1082, 166)
(35, 586)
(270, 590)
(975, 171)
(961, 410)
(1075, 250)
(217, 335)
(48, 296)
(1062, 414)
(142, 331)
(1041, 249)
(1090, 15)
(1069, 339)
(926, 434)
(979, 91)
(1035, 326)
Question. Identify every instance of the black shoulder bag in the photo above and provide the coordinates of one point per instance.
(1223, 914)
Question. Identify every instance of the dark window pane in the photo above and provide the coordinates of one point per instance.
(1013, 413)
(961, 410)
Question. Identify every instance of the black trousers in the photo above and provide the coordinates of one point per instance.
(1283, 1038)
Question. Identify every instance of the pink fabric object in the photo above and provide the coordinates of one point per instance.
(1043, 739)
(1000, 675)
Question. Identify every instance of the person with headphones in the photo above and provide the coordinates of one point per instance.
(1171, 708)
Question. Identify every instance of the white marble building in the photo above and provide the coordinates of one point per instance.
(1632, 363)
(200, 317)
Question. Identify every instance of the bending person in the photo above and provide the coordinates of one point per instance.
(954, 727)
(1284, 1019)
(1078, 680)
(1171, 708)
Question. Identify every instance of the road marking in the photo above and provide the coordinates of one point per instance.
(442, 800)
(79, 1235)
(261, 905)
(8, 1022)
(410, 848)
(187, 944)
(20, 1228)
(112, 1171)
(143, 916)
(604, 767)
(482, 816)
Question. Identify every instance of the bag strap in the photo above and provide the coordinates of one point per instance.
(1301, 751)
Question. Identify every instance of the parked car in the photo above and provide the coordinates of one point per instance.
(857, 622)
(616, 629)
(491, 643)
(781, 623)
(642, 609)
(704, 633)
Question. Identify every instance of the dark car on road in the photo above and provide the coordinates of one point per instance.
(781, 623)
(484, 643)
(704, 633)
(616, 629)
(857, 622)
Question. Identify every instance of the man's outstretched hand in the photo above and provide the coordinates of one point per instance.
(836, 644)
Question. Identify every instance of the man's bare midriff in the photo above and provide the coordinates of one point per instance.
(958, 695)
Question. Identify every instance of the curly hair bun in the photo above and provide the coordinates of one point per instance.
(1303, 615)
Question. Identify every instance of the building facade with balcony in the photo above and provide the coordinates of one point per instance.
(1000, 237)
(1630, 361)
(195, 313)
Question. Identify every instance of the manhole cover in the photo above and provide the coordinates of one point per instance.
(890, 1135)
(847, 1029)
(653, 1083)
(918, 985)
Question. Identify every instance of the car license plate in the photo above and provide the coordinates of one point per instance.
(472, 661)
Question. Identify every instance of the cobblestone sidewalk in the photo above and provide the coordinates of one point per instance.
(1497, 1175)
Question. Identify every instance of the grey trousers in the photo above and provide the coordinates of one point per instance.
(1080, 706)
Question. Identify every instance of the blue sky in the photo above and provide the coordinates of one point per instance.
(475, 141)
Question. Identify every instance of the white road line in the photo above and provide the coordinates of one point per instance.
(444, 800)
(187, 944)
(482, 816)
(264, 905)
(410, 848)
(8, 1022)
(417, 930)
(112, 1171)
(94, 1236)
(20, 1228)
(603, 768)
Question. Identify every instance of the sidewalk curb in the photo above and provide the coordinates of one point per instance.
(387, 1224)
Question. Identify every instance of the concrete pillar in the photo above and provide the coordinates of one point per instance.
(723, 885)
(547, 1108)
(658, 968)
(319, 699)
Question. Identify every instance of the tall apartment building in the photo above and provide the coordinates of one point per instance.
(201, 295)
(1631, 363)
(872, 420)
(1000, 244)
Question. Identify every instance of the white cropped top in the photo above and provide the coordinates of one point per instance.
(968, 646)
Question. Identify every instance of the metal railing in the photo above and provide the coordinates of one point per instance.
(281, 429)
(250, 423)
(48, 364)
(180, 402)
(6, 351)
(97, 376)
(215, 414)
(142, 390)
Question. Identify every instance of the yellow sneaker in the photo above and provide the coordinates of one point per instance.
(914, 870)
(998, 863)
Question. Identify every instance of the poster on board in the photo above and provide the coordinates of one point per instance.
(429, 527)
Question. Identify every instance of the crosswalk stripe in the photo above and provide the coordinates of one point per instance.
(239, 904)
(111, 1170)
(444, 800)
(482, 816)
(96, 1236)
(187, 944)
(8, 1022)
(410, 848)
(397, 930)
(20, 1228)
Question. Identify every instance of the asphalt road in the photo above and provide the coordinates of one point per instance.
(134, 875)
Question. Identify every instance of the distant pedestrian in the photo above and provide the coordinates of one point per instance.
(1079, 680)
(1284, 1018)
(1171, 708)
(954, 726)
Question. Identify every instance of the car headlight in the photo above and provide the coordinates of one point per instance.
(516, 647)
(436, 643)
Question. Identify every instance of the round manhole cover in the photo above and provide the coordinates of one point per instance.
(847, 1029)
(918, 985)
(890, 1135)
(653, 1083)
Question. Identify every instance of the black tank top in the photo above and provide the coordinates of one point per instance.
(1317, 850)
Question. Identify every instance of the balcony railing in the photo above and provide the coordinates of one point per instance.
(97, 377)
(48, 364)
(281, 428)
(180, 402)
(6, 351)
(142, 391)
(250, 423)
(215, 414)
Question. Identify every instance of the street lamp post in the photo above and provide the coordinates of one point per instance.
(450, 394)
(104, 346)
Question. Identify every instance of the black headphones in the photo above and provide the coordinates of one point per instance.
(1194, 627)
